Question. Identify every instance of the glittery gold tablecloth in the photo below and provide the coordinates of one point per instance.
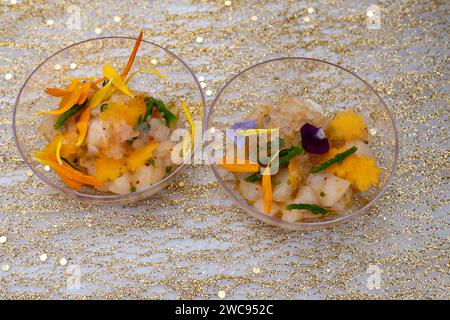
(190, 241)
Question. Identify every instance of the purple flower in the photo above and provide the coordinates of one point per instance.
(232, 133)
(314, 139)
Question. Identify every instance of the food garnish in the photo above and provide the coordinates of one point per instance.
(318, 177)
(314, 139)
(236, 138)
(241, 166)
(285, 155)
(267, 190)
(360, 170)
(110, 150)
(66, 115)
(336, 159)
(310, 207)
(347, 126)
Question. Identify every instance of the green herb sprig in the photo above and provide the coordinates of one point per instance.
(142, 125)
(286, 155)
(310, 207)
(66, 115)
(151, 103)
(336, 159)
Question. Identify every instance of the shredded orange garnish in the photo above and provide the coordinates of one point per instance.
(267, 190)
(132, 56)
(66, 171)
(74, 84)
(56, 92)
(71, 183)
(241, 166)
(84, 92)
(66, 103)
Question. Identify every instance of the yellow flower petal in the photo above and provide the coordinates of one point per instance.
(116, 80)
(148, 70)
(58, 150)
(252, 132)
(191, 124)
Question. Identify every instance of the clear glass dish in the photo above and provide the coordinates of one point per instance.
(86, 59)
(331, 86)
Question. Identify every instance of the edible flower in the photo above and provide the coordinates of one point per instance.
(232, 133)
(67, 102)
(314, 139)
(84, 92)
(130, 60)
(70, 176)
(112, 75)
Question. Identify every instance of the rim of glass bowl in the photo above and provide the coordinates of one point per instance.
(113, 197)
(302, 225)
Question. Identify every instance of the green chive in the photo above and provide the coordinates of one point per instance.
(133, 189)
(66, 115)
(288, 154)
(158, 104)
(310, 207)
(253, 177)
(292, 152)
(337, 159)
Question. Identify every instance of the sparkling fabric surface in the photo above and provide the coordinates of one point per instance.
(190, 241)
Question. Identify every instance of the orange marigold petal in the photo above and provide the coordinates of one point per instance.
(56, 92)
(267, 191)
(84, 92)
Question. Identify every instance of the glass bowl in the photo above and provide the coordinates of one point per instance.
(86, 59)
(331, 86)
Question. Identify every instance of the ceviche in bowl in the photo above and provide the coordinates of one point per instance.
(312, 144)
(97, 119)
